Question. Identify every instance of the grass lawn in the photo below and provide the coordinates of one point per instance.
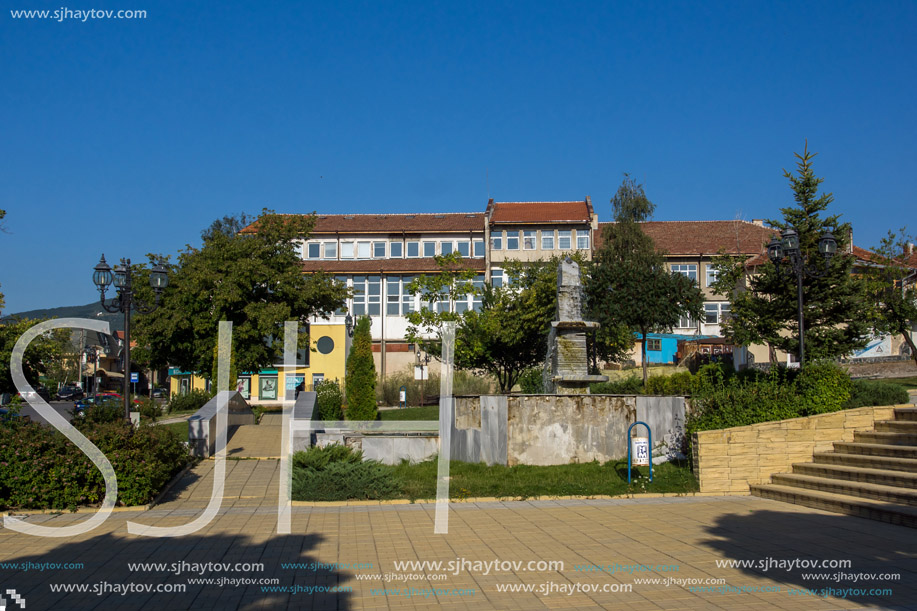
(476, 480)
(179, 427)
(909, 383)
(427, 412)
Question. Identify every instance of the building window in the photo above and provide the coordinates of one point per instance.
(528, 240)
(582, 239)
(413, 249)
(395, 250)
(496, 278)
(653, 345)
(314, 250)
(429, 249)
(464, 249)
(547, 240)
(393, 296)
(496, 241)
(716, 312)
(711, 275)
(512, 240)
(367, 295)
(331, 250)
(407, 297)
(379, 250)
(686, 322)
(445, 248)
(479, 248)
(343, 310)
(364, 250)
(563, 239)
(347, 250)
(686, 270)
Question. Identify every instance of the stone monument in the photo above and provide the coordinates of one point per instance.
(567, 362)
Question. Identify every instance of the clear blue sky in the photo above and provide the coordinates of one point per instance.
(130, 136)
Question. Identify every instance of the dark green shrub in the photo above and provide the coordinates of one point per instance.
(107, 411)
(328, 400)
(631, 385)
(876, 392)
(41, 469)
(532, 381)
(681, 383)
(360, 383)
(189, 402)
(337, 473)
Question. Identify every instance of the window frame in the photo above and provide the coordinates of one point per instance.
(547, 240)
(407, 250)
(391, 250)
(564, 234)
(582, 237)
(331, 247)
(514, 235)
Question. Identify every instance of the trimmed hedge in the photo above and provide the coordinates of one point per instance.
(189, 402)
(338, 473)
(876, 392)
(41, 469)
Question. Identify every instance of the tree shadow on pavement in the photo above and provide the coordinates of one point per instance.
(770, 536)
(190, 572)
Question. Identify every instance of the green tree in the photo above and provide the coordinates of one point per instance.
(629, 290)
(504, 337)
(252, 278)
(837, 313)
(360, 379)
(893, 285)
(40, 357)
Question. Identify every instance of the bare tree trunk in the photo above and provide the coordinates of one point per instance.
(910, 343)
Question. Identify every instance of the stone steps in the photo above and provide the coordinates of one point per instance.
(840, 503)
(884, 477)
(866, 461)
(874, 477)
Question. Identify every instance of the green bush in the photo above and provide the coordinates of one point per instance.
(631, 385)
(107, 411)
(337, 473)
(360, 383)
(876, 392)
(823, 386)
(189, 402)
(532, 381)
(721, 401)
(149, 409)
(681, 383)
(328, 400)
(42, 469)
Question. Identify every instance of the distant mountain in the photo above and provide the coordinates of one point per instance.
(92, 311)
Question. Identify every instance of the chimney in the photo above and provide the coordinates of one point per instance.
(758, 222)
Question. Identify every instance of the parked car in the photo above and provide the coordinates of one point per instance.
(70, 393)
(100, 397)
(160, 393)
(40, 392)
(80, 407)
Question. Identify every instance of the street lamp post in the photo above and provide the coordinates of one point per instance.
(92, 356)
(788, 248)
(124, 302)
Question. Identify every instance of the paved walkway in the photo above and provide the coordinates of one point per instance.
(603, 544)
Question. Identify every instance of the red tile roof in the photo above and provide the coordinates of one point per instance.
(385, 266)
(704, 237)
(394, 223)
(540, 212)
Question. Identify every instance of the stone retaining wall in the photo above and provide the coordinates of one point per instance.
(729, 460)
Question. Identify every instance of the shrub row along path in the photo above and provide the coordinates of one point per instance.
(345, 547)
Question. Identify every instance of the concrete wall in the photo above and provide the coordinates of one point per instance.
(202, 426)
(556, 430)
(729, 460)
(562, 429)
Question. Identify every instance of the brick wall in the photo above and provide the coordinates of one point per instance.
(728, 460)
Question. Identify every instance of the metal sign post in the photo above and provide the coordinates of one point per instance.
(403, 396)
(642, 447)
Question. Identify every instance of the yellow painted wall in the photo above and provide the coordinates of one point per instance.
(331, 365)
